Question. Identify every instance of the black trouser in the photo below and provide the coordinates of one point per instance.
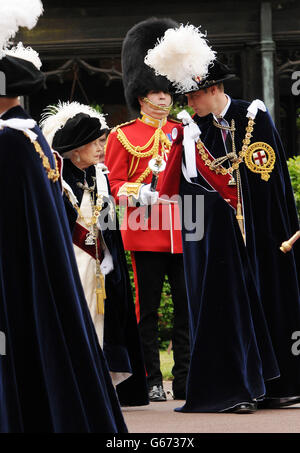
(151, 269)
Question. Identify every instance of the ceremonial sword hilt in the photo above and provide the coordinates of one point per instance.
(286, 246)
(156, 165)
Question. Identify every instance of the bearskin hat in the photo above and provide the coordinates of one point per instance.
(138, 78)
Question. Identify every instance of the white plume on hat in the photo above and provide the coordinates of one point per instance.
(56, 116)
(26, 53)
(15, 14)
(181, 55)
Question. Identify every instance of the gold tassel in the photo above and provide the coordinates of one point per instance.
(100, 293)
(239, 212)
(240, 219)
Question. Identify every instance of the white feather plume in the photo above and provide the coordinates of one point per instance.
(181, 55)
(56, 116)
(15, 14)
(26, 53)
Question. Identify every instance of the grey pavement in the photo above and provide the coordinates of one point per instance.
(159, 417)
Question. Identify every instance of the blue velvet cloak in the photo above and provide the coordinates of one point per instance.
(243, 301)
(53, 377)
(122, 345)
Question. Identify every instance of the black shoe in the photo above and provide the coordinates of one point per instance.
(277, 403)
(243, 408)
(156, 393)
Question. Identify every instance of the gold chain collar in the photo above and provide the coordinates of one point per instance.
(216, 165)
(236, 160)
(93, 236)
(52, 173)
(96, 209)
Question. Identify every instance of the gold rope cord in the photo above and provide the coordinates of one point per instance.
(246, 142)
(157, 138)
(130, 171)
(234, 166)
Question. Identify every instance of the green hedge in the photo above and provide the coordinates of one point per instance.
(294, 169)
(177, 108)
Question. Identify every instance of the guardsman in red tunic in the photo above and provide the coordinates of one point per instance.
(150, 230)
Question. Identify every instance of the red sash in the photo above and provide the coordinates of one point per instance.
(79, 237)
(218, 181)
(172, 173)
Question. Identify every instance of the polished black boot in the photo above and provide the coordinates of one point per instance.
(243, 408)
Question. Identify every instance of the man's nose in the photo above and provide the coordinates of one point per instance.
(189, 100)
(162, 95)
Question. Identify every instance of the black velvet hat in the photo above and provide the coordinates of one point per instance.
(138, 78)
(217, 73)
(78, 131)
(21, 76)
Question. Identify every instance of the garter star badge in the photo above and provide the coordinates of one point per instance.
(260, 158)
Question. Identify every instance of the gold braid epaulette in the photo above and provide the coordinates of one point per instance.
(115, 129)
(122, 124)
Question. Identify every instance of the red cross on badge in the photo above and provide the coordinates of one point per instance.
(260, 158)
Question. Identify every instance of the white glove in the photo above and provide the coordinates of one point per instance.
(107, 264)
(191, 134)
(146, 196)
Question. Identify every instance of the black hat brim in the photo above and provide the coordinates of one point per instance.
(209, 83)
(78, 131)
(22, 78)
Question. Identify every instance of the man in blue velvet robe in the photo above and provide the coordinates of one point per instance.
(53, 376)
(243, 291)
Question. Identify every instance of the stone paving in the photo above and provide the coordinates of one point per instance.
(160, 417)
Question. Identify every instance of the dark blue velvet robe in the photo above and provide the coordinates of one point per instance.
(244, 301)
(53, 377)
(122, 345)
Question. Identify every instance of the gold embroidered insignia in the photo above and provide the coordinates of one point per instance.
(260, 158)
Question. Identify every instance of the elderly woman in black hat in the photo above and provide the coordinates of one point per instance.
(75, 135)
(75, 131)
